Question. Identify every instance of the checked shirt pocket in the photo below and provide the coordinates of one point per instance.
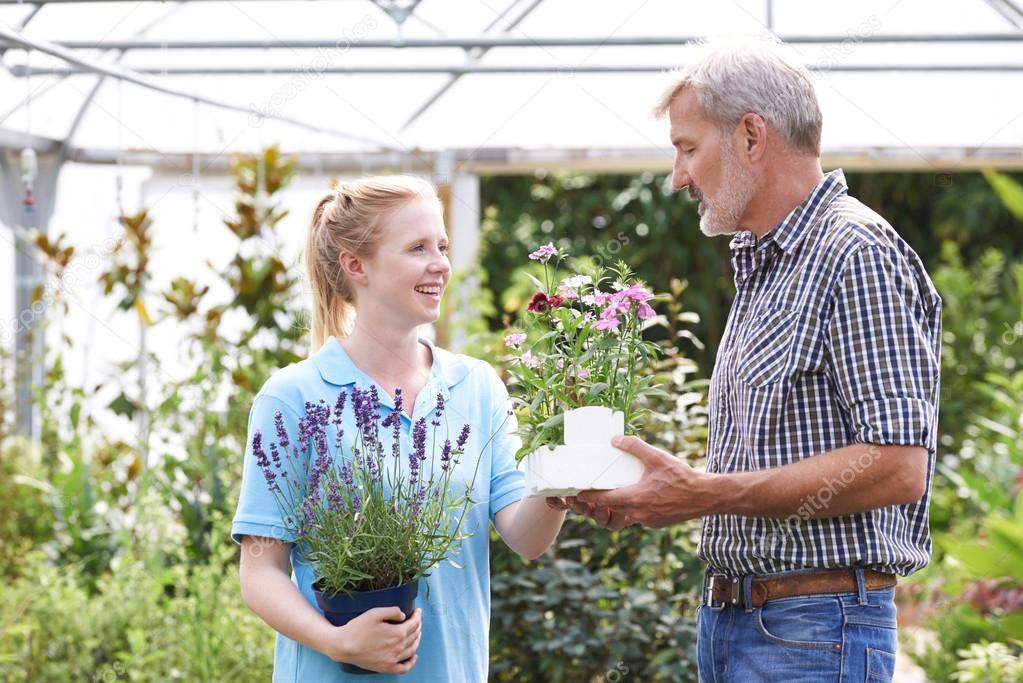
(766, 349)
(802, 623)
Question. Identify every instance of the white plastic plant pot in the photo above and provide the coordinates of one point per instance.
(586, 461)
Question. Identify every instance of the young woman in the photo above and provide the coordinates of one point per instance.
(377, 260)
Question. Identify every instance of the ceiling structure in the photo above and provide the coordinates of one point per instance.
(502, 84)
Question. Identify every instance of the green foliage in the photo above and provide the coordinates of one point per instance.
(130, 268)
(598, 602)
(984, 662)
(27, 516)
(154, 618)
(639, 219)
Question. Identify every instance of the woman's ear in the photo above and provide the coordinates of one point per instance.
(352, 267)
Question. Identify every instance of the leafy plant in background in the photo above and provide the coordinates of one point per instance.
(980, 559)
(609, 215)
(984, 662)
(233, 347)
(157, 618)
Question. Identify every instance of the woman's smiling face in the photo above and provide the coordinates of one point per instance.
(409, 271)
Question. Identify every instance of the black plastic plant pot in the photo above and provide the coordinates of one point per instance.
(341, 608)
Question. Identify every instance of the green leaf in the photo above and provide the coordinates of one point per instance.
(553, 421)
(1013, 625)
(122, 405)
(539, 285)
(1008, 190)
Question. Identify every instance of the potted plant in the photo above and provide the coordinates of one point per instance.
(373, 524)
(581, 367)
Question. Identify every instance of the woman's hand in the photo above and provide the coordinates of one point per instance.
(373, 642)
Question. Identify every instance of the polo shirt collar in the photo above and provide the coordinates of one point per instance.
(336, 367)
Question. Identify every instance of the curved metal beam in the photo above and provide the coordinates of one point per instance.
(83, 65)
(485, 42)
(566, 70)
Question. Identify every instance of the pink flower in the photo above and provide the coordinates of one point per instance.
(583, 373)
(544, 252)
(529, 361)
(514, 340)
(615, 305)
(567, 293)
(606, 324)
(636, 293)
(644, 312)
(539, 303)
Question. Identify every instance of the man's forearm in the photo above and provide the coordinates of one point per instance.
(844, 481)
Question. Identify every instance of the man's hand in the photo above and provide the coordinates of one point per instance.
(602, 515)
(669, 492)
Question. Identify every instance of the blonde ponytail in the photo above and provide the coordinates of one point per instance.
(348, 220)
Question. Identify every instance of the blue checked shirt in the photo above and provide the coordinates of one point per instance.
(833, 339)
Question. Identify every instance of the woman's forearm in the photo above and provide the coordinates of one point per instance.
(529, 526)
(269, 593)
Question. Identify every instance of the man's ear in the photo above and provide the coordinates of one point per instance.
(352, 267)
(753, 129)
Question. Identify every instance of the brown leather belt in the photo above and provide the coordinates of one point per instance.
(728, 591)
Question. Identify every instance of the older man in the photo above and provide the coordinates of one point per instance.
(823, 399)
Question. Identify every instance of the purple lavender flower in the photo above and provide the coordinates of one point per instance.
(263, 461)
(346, 476)
(439, 409)
(462, 438)
(339, 407)
(356, 503)
(282, 433)
(445, 455)
(307, 509)
(275, 455)
(418, 453)
(334, 497)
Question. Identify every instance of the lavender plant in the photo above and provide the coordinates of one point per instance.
(365, 522)
(581, 343)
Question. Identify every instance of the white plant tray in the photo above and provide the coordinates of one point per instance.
(586, 461)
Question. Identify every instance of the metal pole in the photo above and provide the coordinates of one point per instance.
(566, 69)
(469, 43)
(84, 65)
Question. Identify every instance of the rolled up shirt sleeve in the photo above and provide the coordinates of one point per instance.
(882, 351)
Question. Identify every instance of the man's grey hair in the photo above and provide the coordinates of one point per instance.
(736, 77)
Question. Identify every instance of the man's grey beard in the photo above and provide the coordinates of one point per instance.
(738, 185)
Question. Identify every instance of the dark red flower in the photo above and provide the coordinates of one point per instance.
(556, 300)
(539, 303)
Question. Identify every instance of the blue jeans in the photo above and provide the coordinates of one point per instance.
(843, 638)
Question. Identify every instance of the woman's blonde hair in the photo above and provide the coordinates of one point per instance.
(349, 219)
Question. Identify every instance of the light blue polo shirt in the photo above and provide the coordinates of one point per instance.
(456, 608)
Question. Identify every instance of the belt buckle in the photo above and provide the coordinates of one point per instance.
(733, 598)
